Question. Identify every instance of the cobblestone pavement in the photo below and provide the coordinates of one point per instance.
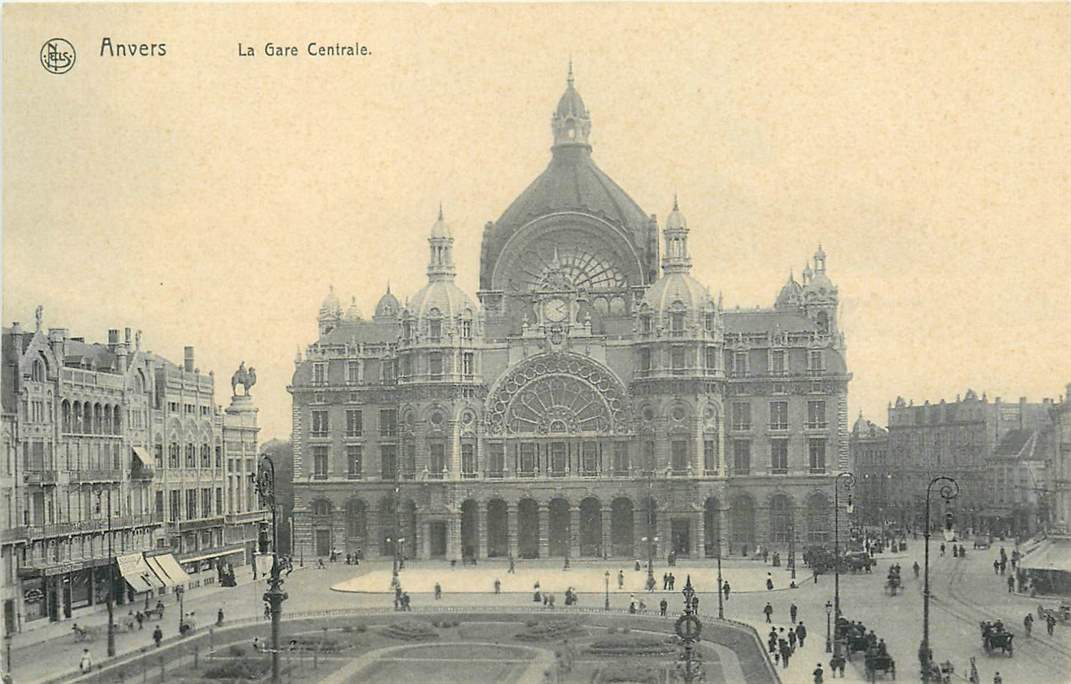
(965, 591)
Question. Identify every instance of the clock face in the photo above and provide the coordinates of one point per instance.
(556, 310)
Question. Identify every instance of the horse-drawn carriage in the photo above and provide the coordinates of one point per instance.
(879, 662)
(155, 613)
(818, 558)
(857, 561)
(83, 633)
(856, 640)
(995, 636)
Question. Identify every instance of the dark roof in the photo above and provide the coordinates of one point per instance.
(368, 332)
(1012, 443)
(78, 352)
(572, 181)
(764, 320)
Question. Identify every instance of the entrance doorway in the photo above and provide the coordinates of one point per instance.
(682, 537)
(437, 537)
(323, 542)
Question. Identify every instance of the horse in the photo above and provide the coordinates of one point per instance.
(244, 377)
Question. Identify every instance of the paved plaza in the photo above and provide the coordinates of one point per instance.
(584, 577)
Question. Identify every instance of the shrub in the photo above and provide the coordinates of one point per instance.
(611, 630)
(347, 629)
(618, 646)
(549, 631)
(236, 651)
(530, 623)
(626, 630)
(411, 630)
(362, 628)
(244, 668)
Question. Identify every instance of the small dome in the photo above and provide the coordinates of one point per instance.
(676, 287)
(790, 294)
(388, 306)
(818, 283)
(352, 312)
(331, 305)
(439, 229)
(571, 104)
(442, 295)
(676, 220)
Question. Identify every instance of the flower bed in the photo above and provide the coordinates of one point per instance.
(411, 630)
(550, 630)
(632, 645)
(240, 668)
(631, 672)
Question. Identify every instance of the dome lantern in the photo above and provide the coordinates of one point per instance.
(571, 122)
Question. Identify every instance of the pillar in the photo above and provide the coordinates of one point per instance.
(453, 540)
(574, 531)
(511, 513)
(698, 534)
(481, 532)
(607, 540)
(544, 530)
(425, 540)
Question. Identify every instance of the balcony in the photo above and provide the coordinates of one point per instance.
(778, 427)
(496, 473)
(319, 476)
(354, 475)
(40, 477)
(469, 475)
(817, 470)
(816, 425)
(201, 523)
(779, 471)
(96, 475)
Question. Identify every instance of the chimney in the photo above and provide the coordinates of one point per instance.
(121, 356)
(16, 328)
(113, 339)
(57, 337)
(126, 336)
(188, 365)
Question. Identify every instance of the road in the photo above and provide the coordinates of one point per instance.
(964, 591)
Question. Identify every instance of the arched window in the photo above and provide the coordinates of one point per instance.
(320, 507)
(780, 519)
(37, 371)
(823, 322)
(65, 409)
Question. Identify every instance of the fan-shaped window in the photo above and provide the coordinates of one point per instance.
(559, 404)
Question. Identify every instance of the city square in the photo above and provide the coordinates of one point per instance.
(390, 379)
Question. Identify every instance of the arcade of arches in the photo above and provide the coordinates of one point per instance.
(583, 526)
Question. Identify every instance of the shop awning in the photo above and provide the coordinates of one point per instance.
(137, 573)
(215, 554)
(1051, 554)
(142, 454)
(168, 570)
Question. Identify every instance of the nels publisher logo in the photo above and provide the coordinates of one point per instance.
(57, 56)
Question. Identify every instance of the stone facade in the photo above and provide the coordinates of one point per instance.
(876, 476)
(597, 401)
(108, 449)
(1061, 469)
(957, 439)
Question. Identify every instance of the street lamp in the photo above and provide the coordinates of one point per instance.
(606, 606)
(792, 546)
(264, 483)
(688, 628)
(949, 490)
(650, 538)
(829, 641)
(111, 576)
(397, 523)
(849, 482)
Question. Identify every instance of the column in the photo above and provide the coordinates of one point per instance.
(607, 539)
(512, 521)
(544, 530)
(425, 541)
(481, 524)
(665, 533)
(574, 532)
(453, 550)
(698, 533)
(639, 524)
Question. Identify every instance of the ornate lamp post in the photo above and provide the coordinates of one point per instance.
(688, 628)
(792, 545)
(721, 607)
(849, 481)
(606, 606)
(264, 483)
(650, 538)
(949, 490)
(111, 576)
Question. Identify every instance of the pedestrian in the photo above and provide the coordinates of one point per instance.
(438, 591)
(498, 586)
(768, 610)
(1028, 623)
(140, 617)
(512, 566)
(771, 641)
(267, 611)
(1050, 623)
(816, 577)
(997, 679)
(725, 590)
(665, 581)
(632, 604)
(86, 663)
(996, 567)
(942, 549)
(1011, 583)
(915, 568)
(157, 636)
(672, 581)
(219, 617)
(620, 580)
(792, 610)
(405, 601)
(256, 644)
(662, 606)
(792, 639)
(801, 633)
(818, 674)
(785, 652)
(1003, 566)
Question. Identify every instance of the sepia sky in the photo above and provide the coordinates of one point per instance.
(210, 200)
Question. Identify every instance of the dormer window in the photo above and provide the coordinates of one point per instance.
(676, 323)
(466, 328)
(435, 326)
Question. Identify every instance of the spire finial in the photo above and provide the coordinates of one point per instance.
(569, 78)
(675, 207)
(388, 287)
(440, 210)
